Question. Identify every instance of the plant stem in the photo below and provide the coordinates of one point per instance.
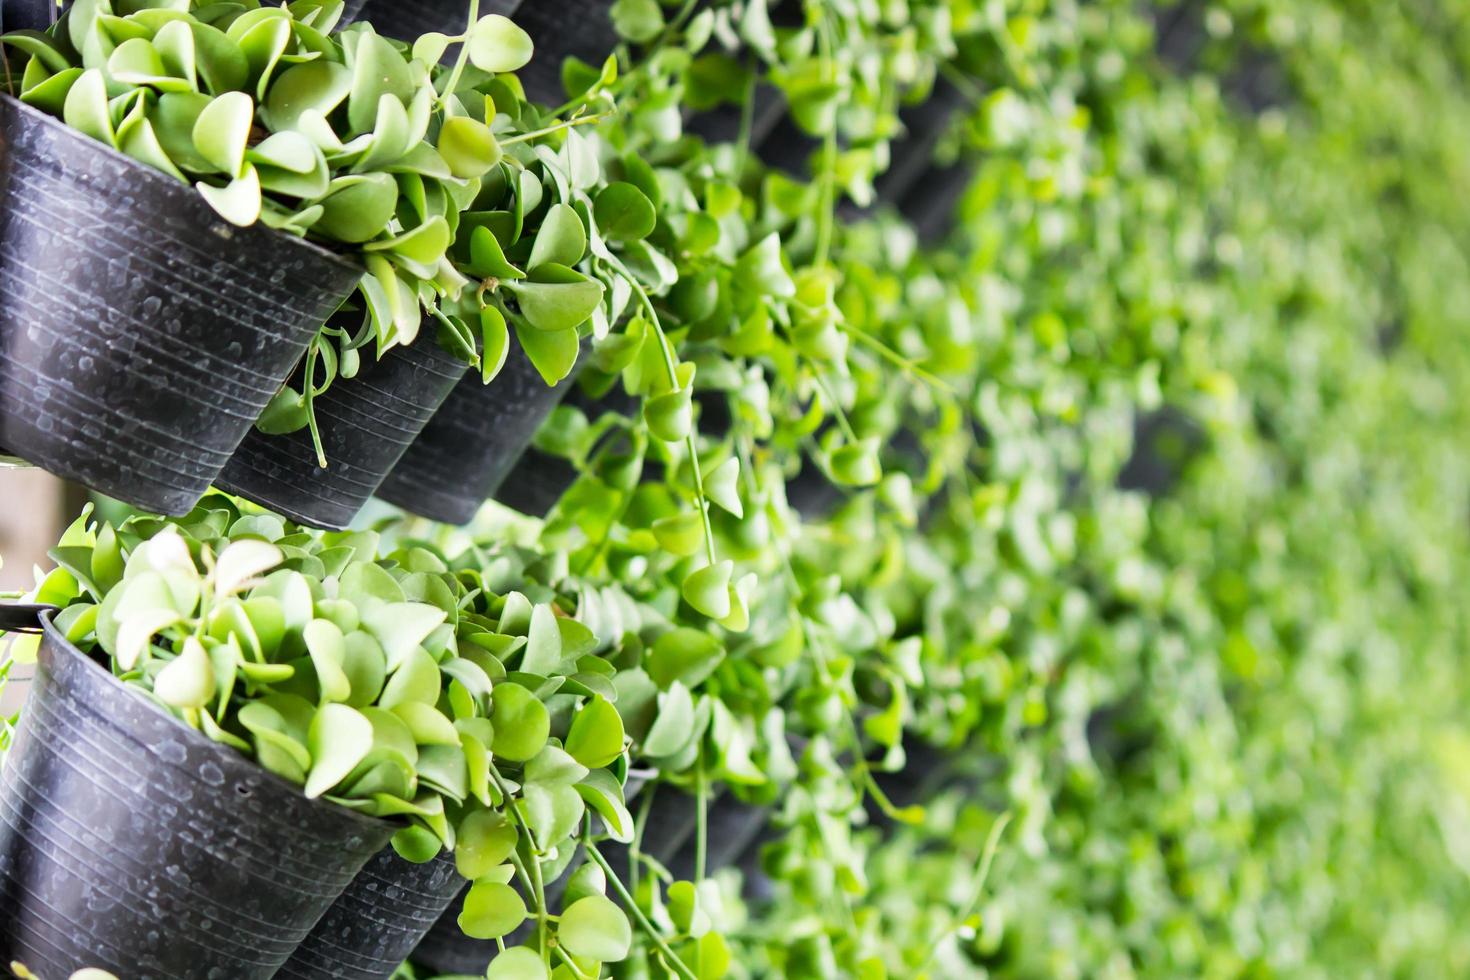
(659, 942)
(899, 361)
(571, 965)
(635, 847)
(826, 217)
(836, 406)
(691, 441)
(992, 843)
(538, 890)
(464, 54)
(701, 827)
(547, 131)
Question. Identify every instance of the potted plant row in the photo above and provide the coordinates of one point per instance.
(262, 709)
(399, 221)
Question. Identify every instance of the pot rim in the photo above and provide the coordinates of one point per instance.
(137, 170)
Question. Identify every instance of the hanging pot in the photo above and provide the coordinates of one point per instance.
(366, 423)
(141, 334)
(472, 443)
(378, 921)
(133, 843)
(570, 28)
(540, 479)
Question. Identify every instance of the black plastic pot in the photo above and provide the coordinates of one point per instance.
(539, 479)
(473, 442)
(367, 423)
(141, 335)
(408, 19)
(378, 921)
(35, 15)
(537, 483)
(576, 28)
(133, 843)
(733, 825)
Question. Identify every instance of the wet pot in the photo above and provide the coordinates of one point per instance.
(366, 422)
(141, 334)
(378, 921)
(473, 442)
(131, 842)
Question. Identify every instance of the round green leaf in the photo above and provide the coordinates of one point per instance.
(468, 147)
(339, 738)
(708, 589)
(491, 910)
(596, 928)
(496, 45)
(486, 840)
(517, 963)
(624, 213)
(521, 722)
(596, 736)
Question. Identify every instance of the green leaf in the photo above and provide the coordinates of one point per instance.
(521, 722)
(317, 85)
(417, 845)
(495, 342)
(708, 589)
(680, 534)
(517, 963)
(600, 789)
(553, 767)
(239, 201)
(365, 666)
(415, 679)
(674, 726)
(328, 649)
(220, 63)
(468, 147)
(556, 298)
(487, 257)
(553, 353)
(624, 213)
(486, 840)
(497, 45)
(339, 738)
(491, 910)
(187, 681)
(136, 631)
(424, 244)
(670, 416)
(241, 564)
(640, 21)
(763, 271)
(562, 239)
(722, 487)
(86, 107)
(596, 928)
(379, 70)
(543, 645)
(683, 655)
(401, 627)
(552, 811)
(596, 736)
(856, 464)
